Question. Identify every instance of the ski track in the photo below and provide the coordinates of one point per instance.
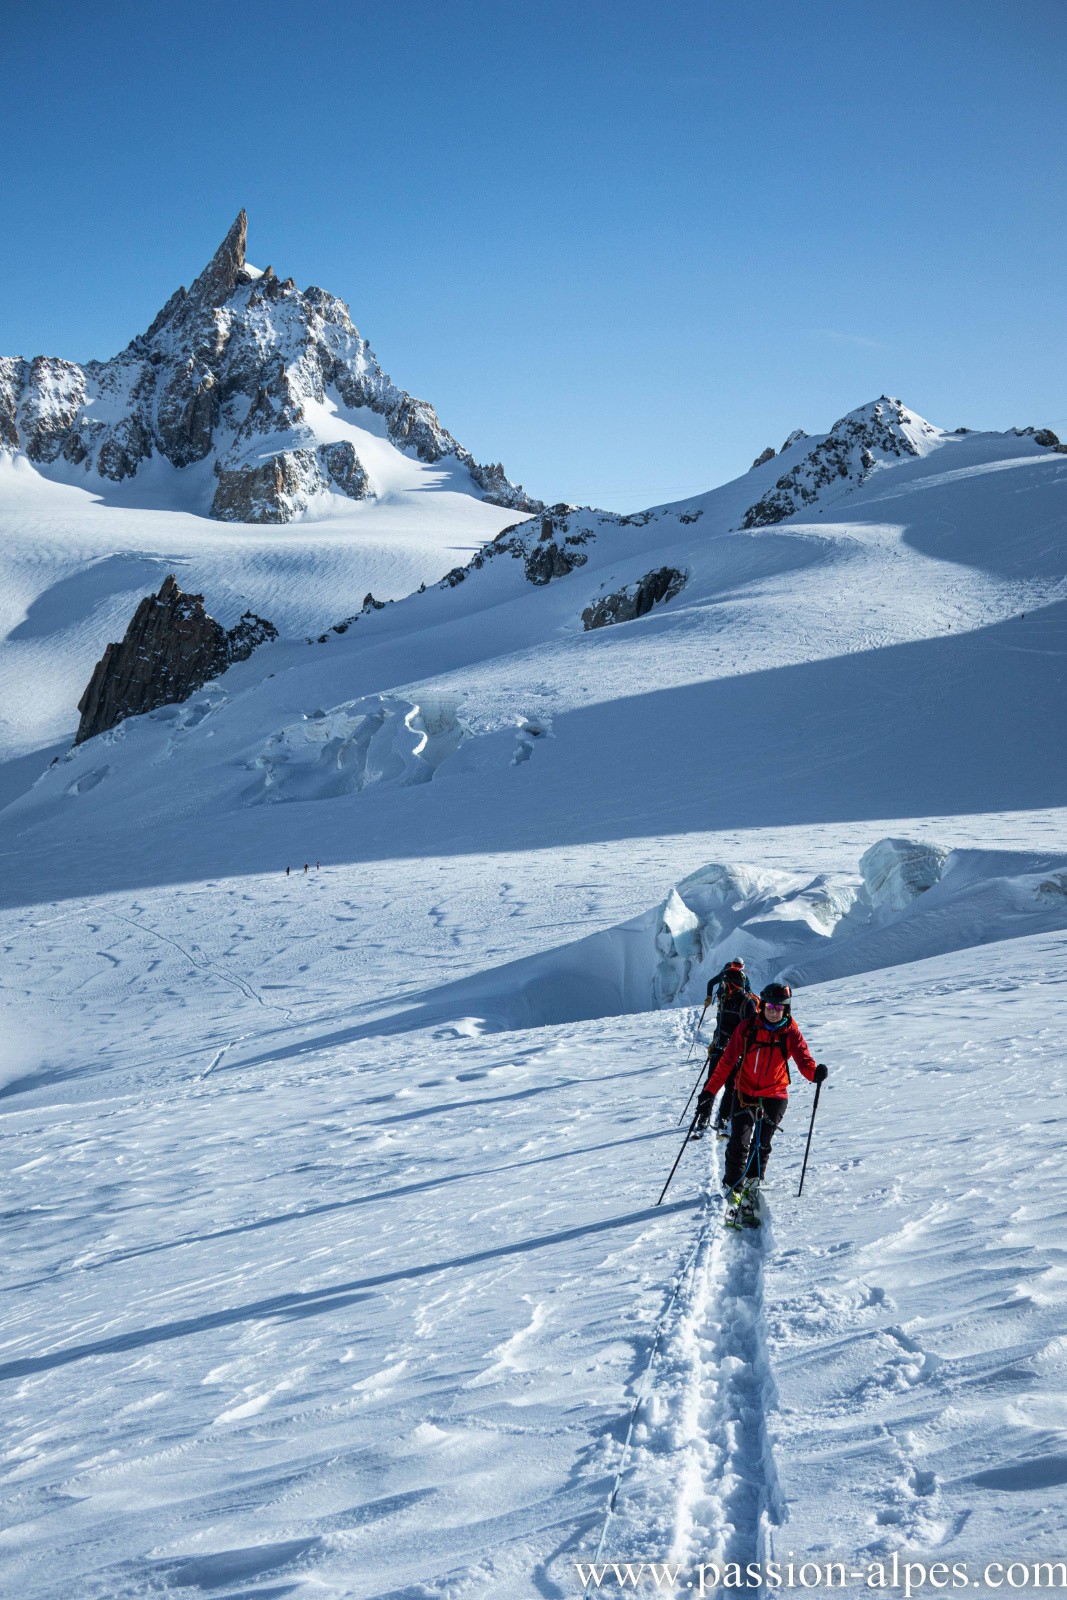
(698, 1481)
(213, 969)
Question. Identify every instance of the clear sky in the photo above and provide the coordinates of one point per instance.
(621, 247)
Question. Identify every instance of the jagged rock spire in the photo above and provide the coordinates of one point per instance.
(170, 650)
(219, 278)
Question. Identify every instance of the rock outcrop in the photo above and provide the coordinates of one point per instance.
(237, 369)
(170, 650)
(1044, 437)
(763, 457)
(636, 600)
(552, 560)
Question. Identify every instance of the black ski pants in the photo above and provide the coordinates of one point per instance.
(725, 1111)
(763, 1114)
(726, 1104)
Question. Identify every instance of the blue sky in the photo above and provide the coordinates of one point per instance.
(619, 251)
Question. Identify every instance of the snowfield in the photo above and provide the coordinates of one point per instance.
(75, 563)
(304, 1297)
(333, 1261)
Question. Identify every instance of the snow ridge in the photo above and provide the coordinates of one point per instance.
(874, 435)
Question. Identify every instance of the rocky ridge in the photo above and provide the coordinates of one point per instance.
(231, 369)
(875, 434)
(170, 650)
(549, 546)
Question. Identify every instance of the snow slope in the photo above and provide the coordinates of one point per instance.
(913, 622)
(366, 1311)
(74, 565)
(334, 1266)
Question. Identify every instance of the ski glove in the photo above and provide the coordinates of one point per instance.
(705, 1101)
(821, 1073)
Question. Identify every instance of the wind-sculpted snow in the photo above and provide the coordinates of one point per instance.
(382, 739)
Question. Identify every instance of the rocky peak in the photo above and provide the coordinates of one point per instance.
(223, 272)
(872, 436)
(225, 373)
(170, 650)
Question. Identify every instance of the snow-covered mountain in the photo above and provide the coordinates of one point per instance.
(270, 386)
(494, 690)
(347, 1008)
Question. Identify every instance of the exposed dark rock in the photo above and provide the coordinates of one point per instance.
(1042, 436)
(369, 605)
(691, 516)
(53, 394)
(246, 635)
(12, 382)
(219, 278)
(267, 492)
(497, 487)
(125, 447)
(794, 438)
(414, 423)
(344, 468)
(548, 561)
(83, 439)
(636, 600)
(764, 456)
(170, 650)
(188, 415)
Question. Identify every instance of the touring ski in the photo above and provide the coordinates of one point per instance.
(742, 1206)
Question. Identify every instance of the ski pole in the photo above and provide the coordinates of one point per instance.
(811, 1130)
(677, 1158)
(693, 1090)
(696, 1032)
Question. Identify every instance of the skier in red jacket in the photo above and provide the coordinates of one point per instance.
(760, 1049)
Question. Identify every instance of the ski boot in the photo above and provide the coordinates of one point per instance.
(742, 1205)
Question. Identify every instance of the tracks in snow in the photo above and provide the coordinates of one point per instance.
(698, 1482)
(213, 969)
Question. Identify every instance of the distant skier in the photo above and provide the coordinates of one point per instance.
(736, 1004)
(759, 1052)
(305, 869)
(287, 872)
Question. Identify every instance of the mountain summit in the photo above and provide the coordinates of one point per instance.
(875, 435)
(273, 385)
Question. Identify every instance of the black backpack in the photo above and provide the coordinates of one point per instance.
(735, 1005)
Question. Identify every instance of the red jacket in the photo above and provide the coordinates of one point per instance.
(763, 1072)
